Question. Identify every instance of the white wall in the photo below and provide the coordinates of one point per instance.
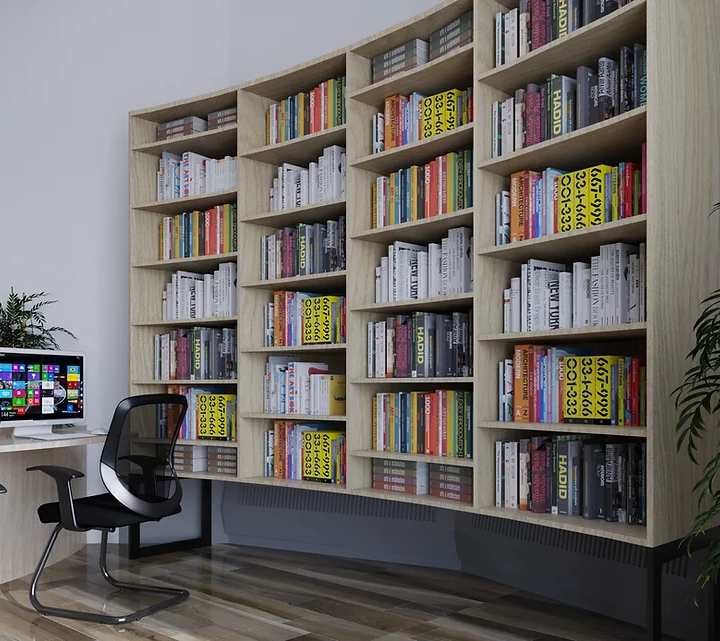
(70, 70)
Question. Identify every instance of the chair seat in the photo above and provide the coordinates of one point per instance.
(98, 511)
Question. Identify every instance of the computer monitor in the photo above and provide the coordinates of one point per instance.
(41, 388)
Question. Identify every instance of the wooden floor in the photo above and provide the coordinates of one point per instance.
(244, 594)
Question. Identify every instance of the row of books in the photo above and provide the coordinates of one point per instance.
(415, 477)
(301, 318)
(194, 125)
(199, 353)
(191, 174)
(421, 345)
(536, 23)
(193, 295)
(555, 201)
(305, 452)
(298, 387)
(211, 415)
(199, 233)
(324, 107)
(442, 186)
(411, 272)
(437, 423)
(610, 290)
(304, 250)
(568, 385)
(415, 53)
(408, 119)
(573, 475)
(562, 104)
(204, 458)
(319, 182)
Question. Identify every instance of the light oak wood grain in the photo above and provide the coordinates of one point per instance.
(215, 143)
(317, 418)
(422, 458)
(417, 499)
(320, 212)
(205, 264)
(576, 334)
(439, 303)
(191, 203)
(299, 151)
(185, 441)
(295, 349)
(600, 430)
(330, 281)
(427, 230)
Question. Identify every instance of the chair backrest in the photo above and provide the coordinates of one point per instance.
(146, 485)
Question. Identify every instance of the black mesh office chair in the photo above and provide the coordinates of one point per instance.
(140, 489)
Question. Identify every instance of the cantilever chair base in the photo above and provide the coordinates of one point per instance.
(176, 596)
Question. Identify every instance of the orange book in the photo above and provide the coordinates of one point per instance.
(277, 334)
(517, 207)
(267, 127)
(521, 383)
(301, 114)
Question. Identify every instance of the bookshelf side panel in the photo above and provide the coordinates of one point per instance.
(683, 262)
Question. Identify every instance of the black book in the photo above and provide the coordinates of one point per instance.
(563, 476)
(593, 477)
(607, 74)
(639, 97)
(575, 452)
(606, 7)
(626, 79)
(589, 12)
(575, 17)
(584, 108)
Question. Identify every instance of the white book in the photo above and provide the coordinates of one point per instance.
(595, 291)
(508, 393)
(498, 220)
(515, 304)
(444, 267)
(511, 488)
(464, 250)
(379, 337)
(496, 125)
(613, 284)
(422, 274)
(634, 287)
(511, 35)
(524, 298)
(534, 265)
(499, 465)
(553, 304)
(523, 34)
(505, 220)
(507, 313)
(566, 300)
(624, 252)
(371, 349)
(518, 126)
(642, 290)
(578, 294)
(508, 137)
(585, 296)
(499, 38)
(378, 285)
(434, 270)
(384, 280)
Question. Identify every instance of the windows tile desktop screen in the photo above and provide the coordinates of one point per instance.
(40, 387)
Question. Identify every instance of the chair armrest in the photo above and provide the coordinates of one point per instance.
(148, 464)
(3, 489)
(62, 477)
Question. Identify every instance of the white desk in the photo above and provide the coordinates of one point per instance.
(22, 536)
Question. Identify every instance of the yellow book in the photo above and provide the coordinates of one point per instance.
(566, 198)
(176, 239)
(374, 206)
(596, 204)
(413, 192)
(301, 114)
(451, 115)
(226, 228)
(428, 109)
(336, 394)
(571, 388)
(317, 320)
(283, 116)
(374, 423)
(413, 422)
(438, 116)
(390, 214)
(451, 423)
(603, 388)
(332, 88)
(587, 388)
(582, 198)
(615, 193)
(318, 461)
(196, 232)
(214, 420)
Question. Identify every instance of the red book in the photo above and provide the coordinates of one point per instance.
(221, 228)
(643, 195)
(427, 178)
(442, 398)
(537, 500)
(556, 216)
(537, 20)
(451, 496)
(532, 116)
(434, 187)
(628, 180)
(531, 385)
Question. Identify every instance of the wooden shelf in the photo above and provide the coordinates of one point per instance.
(451, 71)
(609, 142)
(425, 230)
(299, 151)
(181, 205)
(185, 441)
(330, 281)
(296, 484)
(309, 214)
(296, 418)
(196, 263)
(192, 382)
(422, 499)
(629, 331)
(421, 458)
(199, 106)
(216, 143)
(208, 476)
(418, 380)
(585, 46)
(572, 244)
(295, 349)
(190, 322)
(418, 152)
(566, 428)
(439, 303)
(635, 534)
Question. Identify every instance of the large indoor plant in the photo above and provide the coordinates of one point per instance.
(698, 404)
(22, 322)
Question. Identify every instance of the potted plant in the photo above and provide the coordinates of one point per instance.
(698, 404)
(22, 322)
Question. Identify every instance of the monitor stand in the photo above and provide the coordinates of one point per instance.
(44, 432)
